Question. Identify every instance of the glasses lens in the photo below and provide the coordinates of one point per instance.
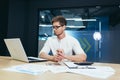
(56, 27)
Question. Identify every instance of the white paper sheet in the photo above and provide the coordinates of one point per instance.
(35, 69)
(28, 68)
(93, 71)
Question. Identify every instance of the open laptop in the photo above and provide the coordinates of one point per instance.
(17, 51)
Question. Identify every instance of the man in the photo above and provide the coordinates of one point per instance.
(62, 45)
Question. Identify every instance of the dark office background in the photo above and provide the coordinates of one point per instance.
(19, 18)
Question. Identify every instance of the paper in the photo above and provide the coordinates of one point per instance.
(93, 71)
(35, 69)
(70, 64)
(58, 69)
(99, 71)
(102, 72)
(28, 68)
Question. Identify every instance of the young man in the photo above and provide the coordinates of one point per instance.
(62, 45)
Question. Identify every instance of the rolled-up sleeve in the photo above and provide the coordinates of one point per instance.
(77, 48)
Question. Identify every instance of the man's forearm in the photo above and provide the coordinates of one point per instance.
(46, 56)
(77, 58)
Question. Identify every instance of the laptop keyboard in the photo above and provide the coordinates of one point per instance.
(31, 59)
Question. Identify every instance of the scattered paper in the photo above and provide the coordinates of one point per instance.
(36, 69)
(102, 72)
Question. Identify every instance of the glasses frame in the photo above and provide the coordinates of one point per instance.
(57, 27)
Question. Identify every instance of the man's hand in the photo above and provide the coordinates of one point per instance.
(57, 58)
(60, 53)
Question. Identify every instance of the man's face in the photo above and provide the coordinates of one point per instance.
(58, 29)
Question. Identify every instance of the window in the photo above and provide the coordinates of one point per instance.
(81, 23)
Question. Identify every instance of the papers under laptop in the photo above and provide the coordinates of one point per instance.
(17, 51)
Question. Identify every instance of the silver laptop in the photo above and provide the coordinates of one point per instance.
(17, 51)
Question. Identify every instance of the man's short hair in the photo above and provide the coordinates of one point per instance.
(60, 19)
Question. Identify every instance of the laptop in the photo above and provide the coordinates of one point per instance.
(17, 51)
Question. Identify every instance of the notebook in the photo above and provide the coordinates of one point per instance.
(17, 51)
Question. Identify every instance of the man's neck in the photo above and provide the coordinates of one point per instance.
(61, 36)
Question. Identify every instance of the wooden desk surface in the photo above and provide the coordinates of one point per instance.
(6, 62)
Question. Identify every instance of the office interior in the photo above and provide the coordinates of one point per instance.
(23, 18)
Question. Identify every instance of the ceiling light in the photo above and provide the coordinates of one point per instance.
(97, 36)
(80, 19)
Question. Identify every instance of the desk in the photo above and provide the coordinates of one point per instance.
(6, 62)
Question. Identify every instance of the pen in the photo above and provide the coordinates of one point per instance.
(86, 67)
(90, 67)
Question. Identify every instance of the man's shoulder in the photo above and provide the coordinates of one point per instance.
(71, 37)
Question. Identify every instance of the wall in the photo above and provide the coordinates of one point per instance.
(19, 25)
(111, 45)
(3, 24)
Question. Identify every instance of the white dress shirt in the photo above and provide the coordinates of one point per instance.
(69, 44)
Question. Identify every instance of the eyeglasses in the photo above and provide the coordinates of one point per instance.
(56, 27)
